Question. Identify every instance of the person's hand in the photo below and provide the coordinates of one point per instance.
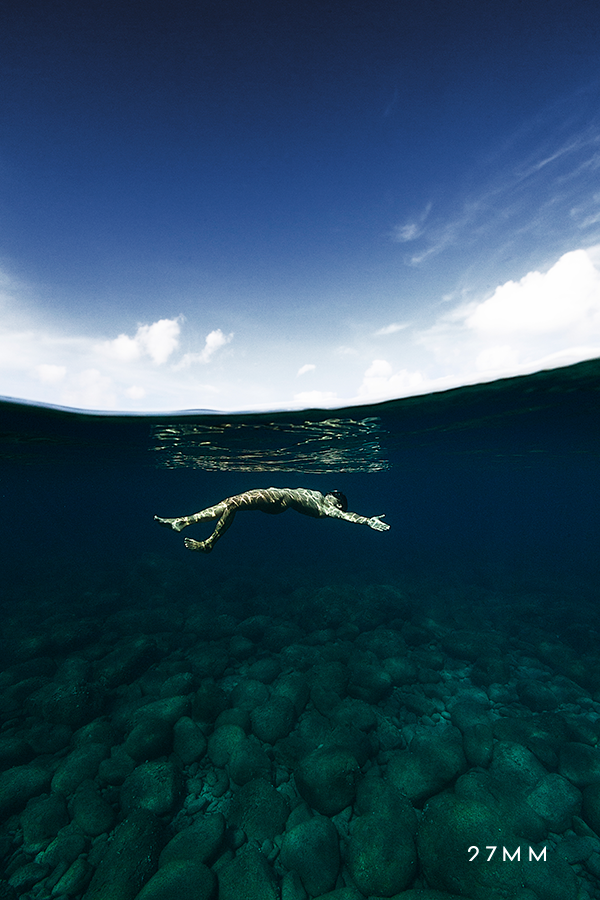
(376, 523)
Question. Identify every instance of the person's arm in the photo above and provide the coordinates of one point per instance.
(373, 522)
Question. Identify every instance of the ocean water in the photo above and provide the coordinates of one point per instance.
(473, 625)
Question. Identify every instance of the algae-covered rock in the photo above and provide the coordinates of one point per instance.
(248, 876)
(20, 784)
(327, 779)
(259, 809)
(451, 825)
(130, 859)
(199, 842)
(90, 811)
(189, 742)
(42, 819)
(380, 855)
(273, 720)
(149, 739)
(312, 850)
(434, 758)
(81, 763)
(154, 786)
(180, 879)
(580, 763)
(556, 800)
(248, 761)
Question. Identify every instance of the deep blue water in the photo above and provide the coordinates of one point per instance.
(493, 486)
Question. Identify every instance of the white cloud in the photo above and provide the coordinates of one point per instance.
(90, 389)
(304, 369)
(564, 300)
(317, 398)
(380, 380)
(391, 329)
(410, 231)
(526, 324)
(213, 342)
(50, 374)
(158, 340)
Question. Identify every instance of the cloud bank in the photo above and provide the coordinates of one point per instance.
(542, 320)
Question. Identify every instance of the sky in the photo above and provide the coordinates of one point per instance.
(239, 205)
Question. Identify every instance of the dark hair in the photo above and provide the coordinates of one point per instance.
(341, 497)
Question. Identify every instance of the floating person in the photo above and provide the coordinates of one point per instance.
(332, 505)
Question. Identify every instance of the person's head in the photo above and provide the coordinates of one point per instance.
(341, 501)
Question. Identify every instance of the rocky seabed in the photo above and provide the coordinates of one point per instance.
(359, 748)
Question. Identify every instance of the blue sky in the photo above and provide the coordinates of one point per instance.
(241, 205)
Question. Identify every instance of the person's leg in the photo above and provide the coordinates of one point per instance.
(181, 522)
(206, 546)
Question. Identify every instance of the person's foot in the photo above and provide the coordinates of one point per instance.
(175, 524)
(201, 546)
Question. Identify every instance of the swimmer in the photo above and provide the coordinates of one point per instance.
(271, 500)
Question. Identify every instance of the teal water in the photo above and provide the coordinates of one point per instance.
(493, 485)
(491, 492)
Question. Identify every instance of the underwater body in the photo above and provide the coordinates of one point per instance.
(316, 709)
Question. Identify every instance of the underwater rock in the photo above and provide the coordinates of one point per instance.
(356, 713)
(295, 687)
(248, 876)
(369, 682)
(312, 850)
(478, 744)
(556, 800)
(14, 751)
(591, 806)
(449, 826)
(332, 676)
(376, 795)
(189, 742)
(179, 879)
(90, 811)
(259, 809)
(83, 762)
(327, 778)
(20, 784)
(66, 703)
(516, 765)
(222, 743)
(248, 693)
(543, 734)
(401, 670)
(180, 684)
(536, 696)
(273, 720)
(265, 670)
(27, 876)
(115, 769)
(130, 859)
(383, 642)
(505, 799)
(210, 700)
(434, 758)
(580, 763)
(149, 739)
(241, 647)
(64, 849)
(155, 786)
(41, 820)
(74, 880)
(127, 662)
(470, 707)
(248, 761)
(380, 855)
(199, 842)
